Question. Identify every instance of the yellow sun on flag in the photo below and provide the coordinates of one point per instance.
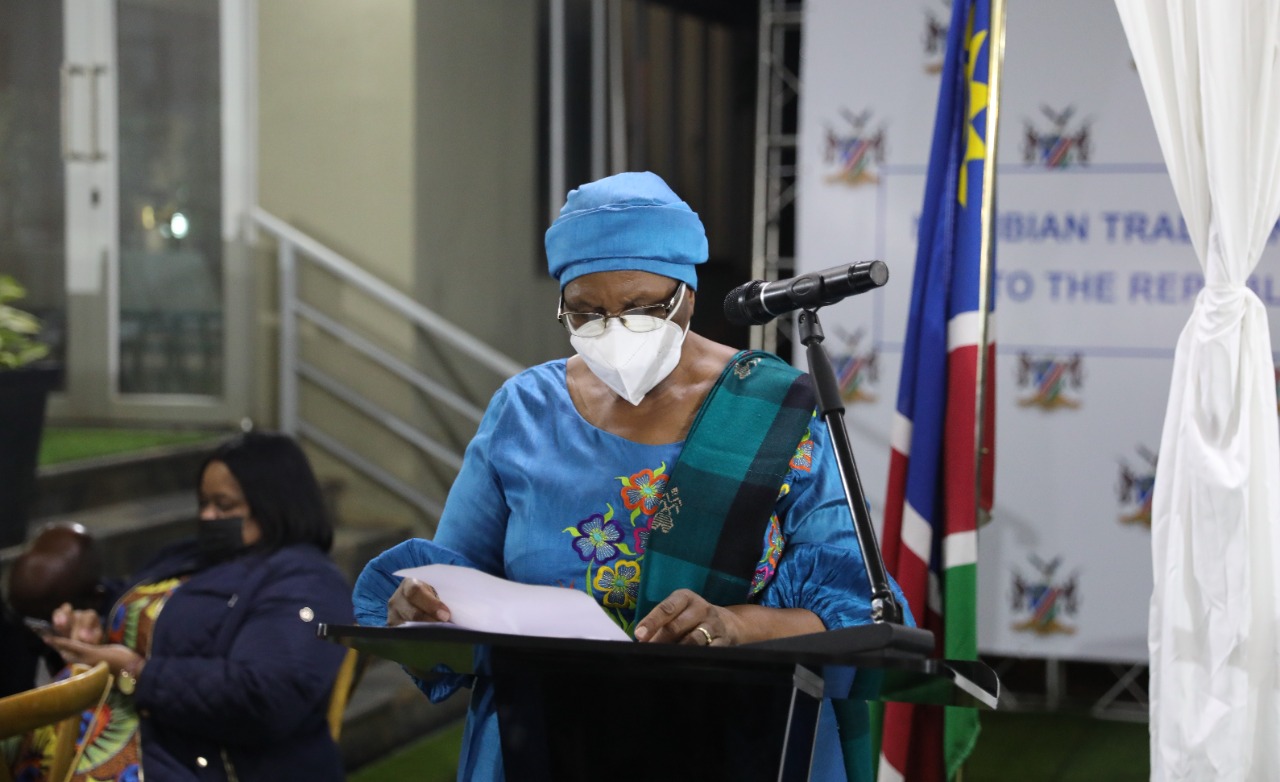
(976, 148)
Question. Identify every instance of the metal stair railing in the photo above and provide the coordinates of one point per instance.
(295, 247)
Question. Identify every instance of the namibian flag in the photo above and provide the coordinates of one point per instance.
(935, 488)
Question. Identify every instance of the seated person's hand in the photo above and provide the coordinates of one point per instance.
(77, 624)
(117, 656)
(415, 601)
(686, 618)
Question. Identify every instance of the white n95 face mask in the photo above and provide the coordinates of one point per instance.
(629, 363)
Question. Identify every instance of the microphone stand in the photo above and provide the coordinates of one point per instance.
(884, 606)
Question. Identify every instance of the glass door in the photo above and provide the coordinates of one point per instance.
(114, 135)
(169, 189)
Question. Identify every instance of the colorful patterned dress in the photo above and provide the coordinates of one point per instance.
(113, 752)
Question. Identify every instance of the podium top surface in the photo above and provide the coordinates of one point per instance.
(864, 645)
(901, 653)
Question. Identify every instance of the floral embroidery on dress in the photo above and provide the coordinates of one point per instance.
(597, 536)
(600, 538)
(774, 543)
(620, 584)
(641, 537)
(773, 546)
(803, 459)
(641, 492)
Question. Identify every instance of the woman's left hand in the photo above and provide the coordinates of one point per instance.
(117, 656)
(686, 618)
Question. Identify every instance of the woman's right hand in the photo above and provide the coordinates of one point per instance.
(415, 601)
(82, 625)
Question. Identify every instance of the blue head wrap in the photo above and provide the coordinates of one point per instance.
(630, 221)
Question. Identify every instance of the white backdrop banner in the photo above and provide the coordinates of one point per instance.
(1096, 278)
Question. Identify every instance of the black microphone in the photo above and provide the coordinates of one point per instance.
(758, 301)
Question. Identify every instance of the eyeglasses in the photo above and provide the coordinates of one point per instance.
(637, 319)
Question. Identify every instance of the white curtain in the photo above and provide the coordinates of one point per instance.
(1212, 80)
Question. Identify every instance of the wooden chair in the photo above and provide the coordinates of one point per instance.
(59, 704)
(349, 675)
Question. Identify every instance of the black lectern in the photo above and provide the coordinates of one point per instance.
(679, 712)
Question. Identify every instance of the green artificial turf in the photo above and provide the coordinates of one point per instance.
(1057, 746)
(66, 444)
(431, 759)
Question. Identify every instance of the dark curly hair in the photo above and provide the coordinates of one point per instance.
(280, 487)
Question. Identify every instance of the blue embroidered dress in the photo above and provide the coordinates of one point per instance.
(544, 497)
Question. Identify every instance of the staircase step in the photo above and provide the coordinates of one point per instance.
(106, 480)
(387, 711)
(129, 533)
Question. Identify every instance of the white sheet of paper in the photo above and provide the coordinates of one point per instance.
(479, 601)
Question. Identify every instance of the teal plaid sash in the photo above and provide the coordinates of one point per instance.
(708, 533)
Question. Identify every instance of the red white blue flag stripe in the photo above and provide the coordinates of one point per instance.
(930, 519)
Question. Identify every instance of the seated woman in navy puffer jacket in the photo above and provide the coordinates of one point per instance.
(219, 672)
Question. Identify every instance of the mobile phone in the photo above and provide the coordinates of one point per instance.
(38, 626)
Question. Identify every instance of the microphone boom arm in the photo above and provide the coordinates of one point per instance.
(884, 606)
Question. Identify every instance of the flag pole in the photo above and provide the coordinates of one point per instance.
(995, 63)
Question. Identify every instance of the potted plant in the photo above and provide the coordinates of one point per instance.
(25, 383)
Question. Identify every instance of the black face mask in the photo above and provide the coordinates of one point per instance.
(220, 539)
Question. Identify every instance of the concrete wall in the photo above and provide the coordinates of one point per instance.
(405, 136)
(479, 240)
(336, 125)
